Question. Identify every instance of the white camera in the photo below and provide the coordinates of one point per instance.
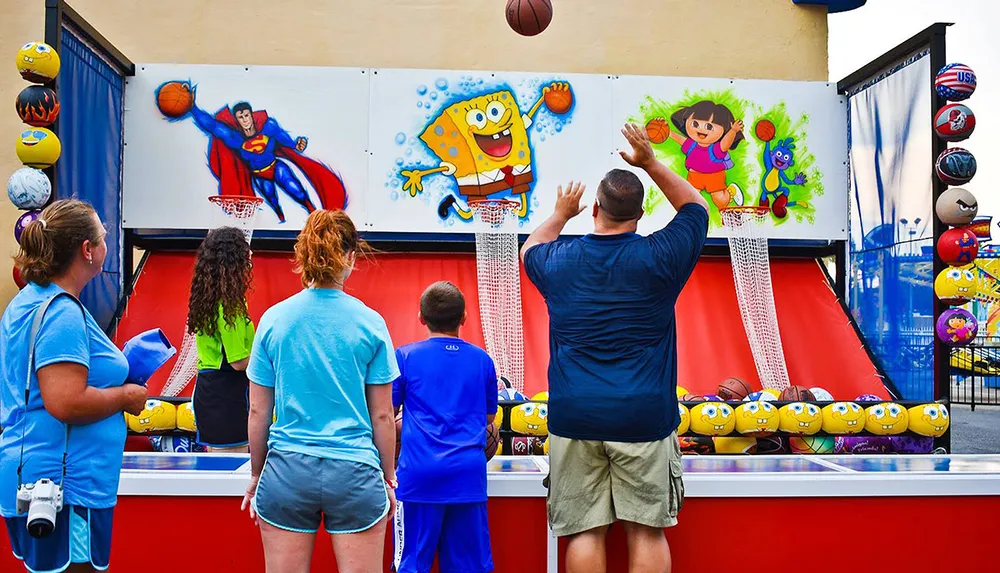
(42, 501)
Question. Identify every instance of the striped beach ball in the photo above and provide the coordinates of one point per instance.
(955, 166)
(955, 82)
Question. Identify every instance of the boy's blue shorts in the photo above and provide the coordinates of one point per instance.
(82, 535)
(458, 532)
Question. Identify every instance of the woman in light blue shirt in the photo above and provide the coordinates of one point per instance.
(323, 362)
(76, 381)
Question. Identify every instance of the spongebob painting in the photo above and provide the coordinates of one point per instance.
(483, 144)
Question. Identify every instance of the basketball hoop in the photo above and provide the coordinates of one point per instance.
(499, 277)
(237, 211)
(752, 276)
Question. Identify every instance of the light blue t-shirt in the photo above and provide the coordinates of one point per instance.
(318, 350)
(95, 450)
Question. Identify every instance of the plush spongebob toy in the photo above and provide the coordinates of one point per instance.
(185, 418)
(530, 419)
(757, 419)
(712, 419)
(681, 392)
(498, 419)
(929, 420)
(685, 419)
(541, 397)
(157, 416)
(37, 62)
(842, 418)
(886, 419)
(800, 418)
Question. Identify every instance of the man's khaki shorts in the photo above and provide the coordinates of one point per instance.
(592, 484)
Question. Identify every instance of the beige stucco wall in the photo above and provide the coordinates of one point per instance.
(714, 38)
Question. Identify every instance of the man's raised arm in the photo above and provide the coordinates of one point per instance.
(567, 206)
(678, 191)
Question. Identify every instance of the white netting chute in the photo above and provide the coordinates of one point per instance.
(752, 274)
(233, 211)
(499, 277)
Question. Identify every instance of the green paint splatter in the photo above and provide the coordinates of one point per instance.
(802, 195)
(744, 168)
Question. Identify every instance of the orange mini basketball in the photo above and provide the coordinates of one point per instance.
(174, 99)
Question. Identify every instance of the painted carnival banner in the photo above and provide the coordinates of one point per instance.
(747, 142)
(295, 136)
(408, 150)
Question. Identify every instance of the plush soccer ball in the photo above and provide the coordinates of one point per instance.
(800, 418)
(530, 419)
(886, 419)
(958, 247)
(956, 286)
(956, 207)
(509, 394)
(157, 416)
(956, 327)
(821, 395)
(685, 419)
(712, 419)
(812, 445)
(185, 418)
(955, 166)
(843, 418)
(735, 445)
(954, 122)
(29, 188)
(930, 420)
(762, 396)
(955, 82)
(775, 394)
(756, 419)
(37, 62)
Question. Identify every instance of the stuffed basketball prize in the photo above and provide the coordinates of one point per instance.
(38, 147)
(956, 327)
(733, 389)
(956, 207)
(954, 122)
(812, 444)
(958, 247)
(955, 166)
(37, 62)
(37, 106)
(29, 188)
(955, 82)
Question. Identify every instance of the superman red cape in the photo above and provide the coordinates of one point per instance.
(234, 176)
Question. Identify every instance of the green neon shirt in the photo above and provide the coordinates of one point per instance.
(236, 340)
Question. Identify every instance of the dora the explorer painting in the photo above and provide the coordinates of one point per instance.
(706, 132)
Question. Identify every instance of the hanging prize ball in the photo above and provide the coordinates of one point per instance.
(37, 106)
(956, 207)
(956, 327)
(37, 62)
(22, 223)
(955, 82)
(29, 188)
(954, 122)
(38, 147)
(529, 17)
(958, 247)
(955, 166)
(21, 283)
(956, 286)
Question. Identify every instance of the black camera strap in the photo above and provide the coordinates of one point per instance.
(35, 326)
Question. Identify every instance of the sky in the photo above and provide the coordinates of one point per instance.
(860, 36)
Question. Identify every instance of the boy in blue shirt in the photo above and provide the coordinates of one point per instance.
(448, 392)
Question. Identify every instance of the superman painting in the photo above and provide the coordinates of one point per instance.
(250, 154)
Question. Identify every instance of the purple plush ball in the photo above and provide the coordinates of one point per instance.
(713, 398)
(956, 327)
(863, 445)
(23, 221)
(912, 444)
(868, 398)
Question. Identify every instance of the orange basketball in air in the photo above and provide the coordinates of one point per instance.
(174, 99)
(764, 130)
(657, 130)
(559, 98)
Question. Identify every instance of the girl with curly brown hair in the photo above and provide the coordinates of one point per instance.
(218, 317)
(324, 363)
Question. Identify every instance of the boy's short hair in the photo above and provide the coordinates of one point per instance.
(442, 306)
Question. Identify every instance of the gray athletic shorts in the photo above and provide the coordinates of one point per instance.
(297, 491)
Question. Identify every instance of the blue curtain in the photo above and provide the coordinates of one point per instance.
(891, 292)
(91, 93)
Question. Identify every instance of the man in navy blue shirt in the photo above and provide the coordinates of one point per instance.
(448, 392)
(613, 411)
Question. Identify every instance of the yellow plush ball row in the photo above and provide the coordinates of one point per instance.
(162, 416)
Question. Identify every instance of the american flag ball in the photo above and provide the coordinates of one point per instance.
(954, 122)
(955, 82)
(955, 166)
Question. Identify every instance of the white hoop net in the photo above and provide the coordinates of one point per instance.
(752, 274)
(499, 277)
(233, 211)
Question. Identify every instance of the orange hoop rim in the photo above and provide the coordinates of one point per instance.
(223, 199)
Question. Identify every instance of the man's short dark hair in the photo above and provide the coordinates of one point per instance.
(620, 195)
(242, 106)
(442, 305)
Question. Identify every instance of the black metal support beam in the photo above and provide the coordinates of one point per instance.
(53, 37)
(918, 42)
